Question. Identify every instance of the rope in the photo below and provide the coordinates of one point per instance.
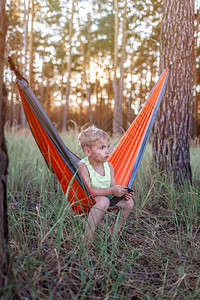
(14, 69)
(177, 60)
(19, 76)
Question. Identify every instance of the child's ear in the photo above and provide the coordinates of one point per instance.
(87, 151)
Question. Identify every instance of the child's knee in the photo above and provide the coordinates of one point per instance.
(102, 202)
(129, 204)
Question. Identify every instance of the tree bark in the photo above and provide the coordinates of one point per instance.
(60, 109)
(23, 117)
(172, 126)
(31, 47)
(116, 124)
(86, 62)
(194, 125)
(4, 258)
(122, 61)
(69, 66)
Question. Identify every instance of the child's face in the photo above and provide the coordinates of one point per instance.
(99, 150)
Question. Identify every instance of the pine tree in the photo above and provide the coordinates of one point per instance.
(4, 258)
(196, 96)
(69, 66)
(172, 126)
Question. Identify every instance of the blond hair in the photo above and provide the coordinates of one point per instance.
(90, 135)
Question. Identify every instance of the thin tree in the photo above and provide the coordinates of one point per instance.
(69, 66)
(172, 127)
(194, 127)
(86, 52)
(23, 117)
(116, 122)
(122, 61)
(118, 84)
(31, 47)
(4, 258)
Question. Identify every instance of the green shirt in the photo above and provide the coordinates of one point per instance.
(98, 181)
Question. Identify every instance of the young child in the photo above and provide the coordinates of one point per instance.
(99, 176)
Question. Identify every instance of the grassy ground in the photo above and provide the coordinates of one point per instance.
(155, 257)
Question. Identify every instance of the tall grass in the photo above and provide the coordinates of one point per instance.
(155, 257)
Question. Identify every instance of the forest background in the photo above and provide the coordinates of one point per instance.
(79, 71)
(76, 68)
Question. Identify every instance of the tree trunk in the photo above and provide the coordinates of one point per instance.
(194, 125)
(60, 109)
(26, 10)
(69, 66)
(86, 80)
(116, 124)
(97, 97)
(122, 61)
(23, 117)
(4, 258)
(87, 76)
(172, 126)
(31, 47)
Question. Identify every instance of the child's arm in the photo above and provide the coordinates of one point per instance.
(112, 174)
(115, 190)
(128, 195)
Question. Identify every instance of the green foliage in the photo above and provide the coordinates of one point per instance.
(103, 37)
(155, 257)
(94, 26)
(14, 39)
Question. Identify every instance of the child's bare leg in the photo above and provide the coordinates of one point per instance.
(96, 214)
(127, 206)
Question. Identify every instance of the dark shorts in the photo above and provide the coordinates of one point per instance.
(114, 200)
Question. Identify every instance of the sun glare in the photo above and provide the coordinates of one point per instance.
(97, 73)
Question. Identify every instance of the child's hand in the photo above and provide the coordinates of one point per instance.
(129, 196)
(119, 191)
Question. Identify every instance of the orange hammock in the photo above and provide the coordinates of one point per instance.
(126, 156)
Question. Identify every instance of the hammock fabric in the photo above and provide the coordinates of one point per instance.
(126, 156)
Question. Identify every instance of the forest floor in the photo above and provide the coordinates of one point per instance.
(155, 257)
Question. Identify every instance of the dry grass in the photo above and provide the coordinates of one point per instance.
(155, 257)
